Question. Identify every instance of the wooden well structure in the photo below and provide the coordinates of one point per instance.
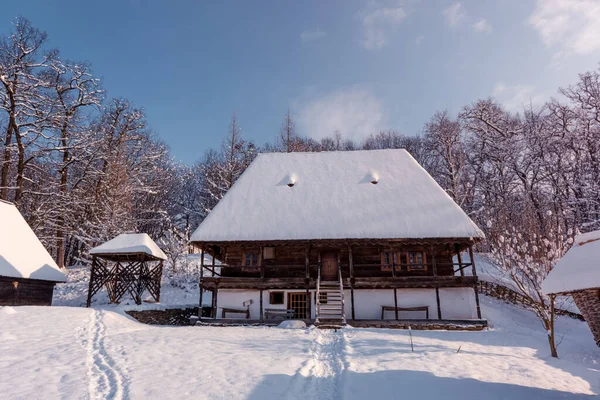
(128, 264)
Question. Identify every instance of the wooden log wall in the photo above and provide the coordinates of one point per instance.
(25, 292)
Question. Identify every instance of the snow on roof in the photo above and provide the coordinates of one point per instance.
(579, 269)
(375, 194)
(130, 243)
(22, 255)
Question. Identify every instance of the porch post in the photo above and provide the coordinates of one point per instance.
(260, 263)
(307, 280)
(200, 283)
(475, 285)
(212, 256)
(437, 299)
(351, 268)
(215, 308)
(396, 303)
(261, 305)
(434, 265)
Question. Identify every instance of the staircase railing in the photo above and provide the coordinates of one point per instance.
(318, 303)
(342, 292)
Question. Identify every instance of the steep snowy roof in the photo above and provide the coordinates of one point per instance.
(22, 255)
(130, 243)
(375, 194)
(579, 268)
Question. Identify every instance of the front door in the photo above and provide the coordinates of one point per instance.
(329, 266)
(298, 301)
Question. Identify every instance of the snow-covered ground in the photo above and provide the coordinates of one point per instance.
(73, 352)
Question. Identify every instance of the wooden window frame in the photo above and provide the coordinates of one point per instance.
(416, 266)
(254, 267)
(271, 296)
(396, 255)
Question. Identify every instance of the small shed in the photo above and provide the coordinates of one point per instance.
(130, 263)
(578, 274)
(27, 272)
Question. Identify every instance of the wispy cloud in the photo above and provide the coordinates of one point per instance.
(356, 112)
(482, 26)
(570, 26)
(378, 23)
(310, 35)
(455, 14)
(419, 39)
(517, 97)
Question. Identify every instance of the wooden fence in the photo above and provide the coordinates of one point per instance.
(511, 296)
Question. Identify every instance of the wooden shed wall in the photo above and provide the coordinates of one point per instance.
(26, 292)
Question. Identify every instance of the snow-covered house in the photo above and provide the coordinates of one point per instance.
(335, 236)
(578, 274)
(27, 272)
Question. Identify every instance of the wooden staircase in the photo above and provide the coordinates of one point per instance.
(330, 303)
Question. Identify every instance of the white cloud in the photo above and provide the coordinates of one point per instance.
(377, 25)
(571, 26)
(419, 39)
(517, 97)
(482, 26)
(310, 35)
(454, 14)
(356, 112)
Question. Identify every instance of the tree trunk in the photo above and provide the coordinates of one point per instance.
(550, 329)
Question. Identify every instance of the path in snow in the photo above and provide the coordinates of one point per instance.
(320, 376)
(106, 379)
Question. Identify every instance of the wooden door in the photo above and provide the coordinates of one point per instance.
(329, 266)
(298, 301)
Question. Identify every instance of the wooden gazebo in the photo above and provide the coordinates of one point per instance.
(129, 263)
(577, 274)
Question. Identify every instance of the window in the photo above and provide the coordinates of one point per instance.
(276, 298)
(388, 259)
(250, 259)
(416, 261)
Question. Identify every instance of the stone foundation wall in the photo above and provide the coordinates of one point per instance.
(588, 302)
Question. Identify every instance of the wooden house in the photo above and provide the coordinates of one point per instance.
(359, 237)
(577, 274)
(27, 272)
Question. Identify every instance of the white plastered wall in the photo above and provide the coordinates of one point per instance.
(455, 303)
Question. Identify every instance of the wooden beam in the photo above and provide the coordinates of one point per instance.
(434, 266)
(351, 268)
(213, 262)
(307, 261)
(472, 261)
(396, 303)
(459, 256)
(477, 301)
(214, 301)
(437, 299)
(261, 305)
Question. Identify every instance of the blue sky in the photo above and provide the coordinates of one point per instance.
(353, 66)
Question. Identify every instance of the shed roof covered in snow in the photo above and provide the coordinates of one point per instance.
(374, 194)
(579, 269)
(22, 255)
(130, 244)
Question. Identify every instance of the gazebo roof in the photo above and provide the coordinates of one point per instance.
(579, 269)
(22, 255)
(128, 245)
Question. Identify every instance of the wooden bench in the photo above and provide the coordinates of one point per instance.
(225, 310)
(273, 313)
(392, 308)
